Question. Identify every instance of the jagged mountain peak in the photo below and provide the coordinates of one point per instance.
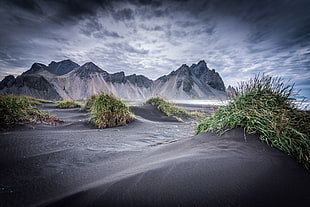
(202, 62)
(62, 67)
(140, 80)
(121, 73)
(200, 69)
(88, 68)
(136, 76)
(91, 66)
(38, 65)
(57, 68)
(31, 85)
(8, 81)
(35, 68)
(183, 67)
(231, 91)
(62, 61)
(118, 77)
(183, 70)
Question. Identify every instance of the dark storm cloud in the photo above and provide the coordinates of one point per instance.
(124, 14)
(150, 12)
(63, 10)
(30, 5)
(155, 3)
(301, 35)
(105, 33)
(185, 24)
(80, 8)
(151, 27)
(94, 28)
(286, 21)
(111, 34)
(72, 10)
(92, 25)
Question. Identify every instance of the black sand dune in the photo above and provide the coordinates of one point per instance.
(146, 163)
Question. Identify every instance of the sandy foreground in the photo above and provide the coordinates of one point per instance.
(153, 161)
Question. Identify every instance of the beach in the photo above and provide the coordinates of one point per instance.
(153, 161)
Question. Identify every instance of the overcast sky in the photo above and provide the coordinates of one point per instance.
(237, 38)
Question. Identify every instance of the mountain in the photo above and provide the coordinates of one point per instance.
(32, 85)
(86, 70)
(35, 81)
(197, 81)
(36, 68)
(140, 80)
(88, 79)
(231, 91)
(56, 68)
(62, 67)
(72, 81)
(207, 76)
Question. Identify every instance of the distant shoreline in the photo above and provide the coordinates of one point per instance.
(202, 103)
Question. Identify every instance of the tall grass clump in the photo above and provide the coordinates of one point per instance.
(68, 104)
(264, 106)
(16, 109)
(90, 101)
(168, 108)
(108, 111)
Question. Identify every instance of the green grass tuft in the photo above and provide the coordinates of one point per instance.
(68, 104)
(264, 106)
(108, 111)
(90, 101)
(37, 101)
(170, 109)
(16, 109)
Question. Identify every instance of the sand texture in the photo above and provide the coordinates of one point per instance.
(153, 161)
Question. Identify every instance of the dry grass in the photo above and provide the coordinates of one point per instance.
(22, 109)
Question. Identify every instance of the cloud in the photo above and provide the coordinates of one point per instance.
(93, 28)
(29, 5)
(124, 46)
(152, 27)
(153, 3)
(237, 38)
(106, 33)
(78, 9)
(123, 14)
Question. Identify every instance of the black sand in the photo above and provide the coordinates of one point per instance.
(153, 161)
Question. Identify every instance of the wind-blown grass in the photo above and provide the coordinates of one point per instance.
(90, 101)
(17, 109)
(264, 106)
(108, 111)
(171, 109)
(68, 104)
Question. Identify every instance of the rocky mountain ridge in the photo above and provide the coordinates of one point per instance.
(31, 85)
(68, 80)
